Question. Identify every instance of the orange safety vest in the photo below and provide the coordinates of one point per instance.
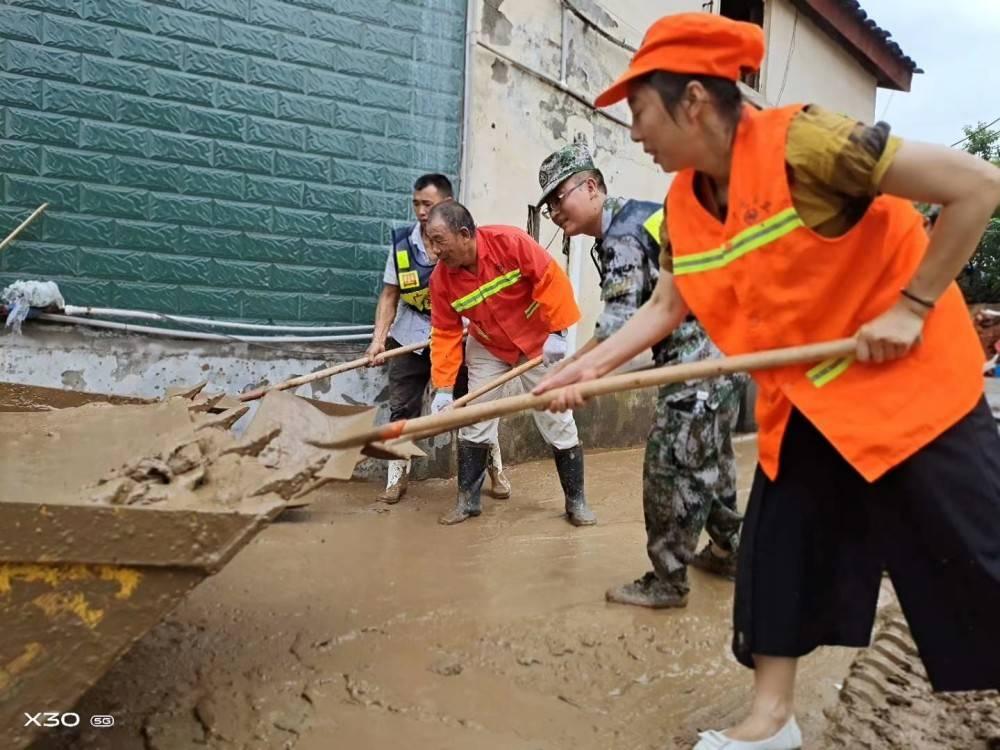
(516, 298)
(763, 280)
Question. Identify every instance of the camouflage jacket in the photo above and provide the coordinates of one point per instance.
(628, 274)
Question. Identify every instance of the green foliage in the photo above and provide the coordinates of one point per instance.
(980, 280)
(983, 142)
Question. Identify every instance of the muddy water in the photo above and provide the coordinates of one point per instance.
(353, 625)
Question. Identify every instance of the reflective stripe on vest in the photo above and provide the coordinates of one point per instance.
(750, 239)
(412, 276)
(488, 289)
(829, 370)
(531, 309)
(654, 225)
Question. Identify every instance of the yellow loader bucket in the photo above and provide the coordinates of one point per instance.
(111, 511)
(79, 585)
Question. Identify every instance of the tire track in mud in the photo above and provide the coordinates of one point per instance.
(887, 702)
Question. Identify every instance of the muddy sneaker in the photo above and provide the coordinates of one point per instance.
(499, 484)
(648, 591)
(396, 481)
(706, 560)
(457, 514)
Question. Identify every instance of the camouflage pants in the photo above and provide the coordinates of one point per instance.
(689, 484)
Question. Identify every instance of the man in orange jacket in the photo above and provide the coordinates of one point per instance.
(519, 303)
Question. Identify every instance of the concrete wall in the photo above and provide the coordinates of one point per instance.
(523, 108)
(518, 118)
(818, 69)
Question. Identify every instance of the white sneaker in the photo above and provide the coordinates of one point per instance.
(789, 738)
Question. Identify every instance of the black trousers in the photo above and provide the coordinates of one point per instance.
(409, 375)
(816, 541)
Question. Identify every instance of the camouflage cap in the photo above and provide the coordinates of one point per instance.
(566, 162)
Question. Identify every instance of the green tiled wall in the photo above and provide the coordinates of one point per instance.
(233, 158)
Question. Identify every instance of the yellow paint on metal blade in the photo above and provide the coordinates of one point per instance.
(56, 575)
(18, 664)
(55, 603)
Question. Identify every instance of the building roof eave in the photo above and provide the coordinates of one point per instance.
(848, 24)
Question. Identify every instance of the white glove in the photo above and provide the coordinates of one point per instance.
(554, 349)
(442, 400)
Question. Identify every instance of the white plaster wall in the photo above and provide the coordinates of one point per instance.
(517, 120)
(820, 71)
(635, 16)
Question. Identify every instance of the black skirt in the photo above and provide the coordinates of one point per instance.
(816, 541)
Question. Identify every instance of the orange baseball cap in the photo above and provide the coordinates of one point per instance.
(694, 43)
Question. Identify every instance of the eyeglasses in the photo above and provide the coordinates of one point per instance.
(552, 205)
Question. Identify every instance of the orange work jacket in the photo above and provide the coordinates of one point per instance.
(762, 279)
(516, 298)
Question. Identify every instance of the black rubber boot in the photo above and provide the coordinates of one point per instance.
(569, 464)
(472, 459)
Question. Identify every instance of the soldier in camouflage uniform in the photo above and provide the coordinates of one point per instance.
(689, 473)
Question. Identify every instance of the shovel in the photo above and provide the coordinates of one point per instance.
(330, 371)
(493, 384)
(452, 418)
(480, 391)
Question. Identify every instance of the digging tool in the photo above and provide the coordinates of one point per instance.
(22, 226)
(331, 371)
(482, 390)
(493, 384)
(452, 418)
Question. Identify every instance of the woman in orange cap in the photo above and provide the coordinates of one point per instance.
(790, 226)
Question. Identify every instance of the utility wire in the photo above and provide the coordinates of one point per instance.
(788, 60)
(888, 103)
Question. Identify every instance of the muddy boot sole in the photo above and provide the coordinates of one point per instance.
(457, 516)
(723, 567)
(500, 487)
(391, 496)
(664, 601)
(577, 520)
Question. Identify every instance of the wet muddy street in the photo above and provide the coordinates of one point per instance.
(357, 625)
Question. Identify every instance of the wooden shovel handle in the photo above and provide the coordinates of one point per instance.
(472, 395)
(23, 225)
(330, 371)
(505, 378)
(447, 420)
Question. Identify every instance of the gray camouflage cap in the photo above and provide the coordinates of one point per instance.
(566, 162)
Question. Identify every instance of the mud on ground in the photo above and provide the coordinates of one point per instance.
(355, 625)
(886, 702)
